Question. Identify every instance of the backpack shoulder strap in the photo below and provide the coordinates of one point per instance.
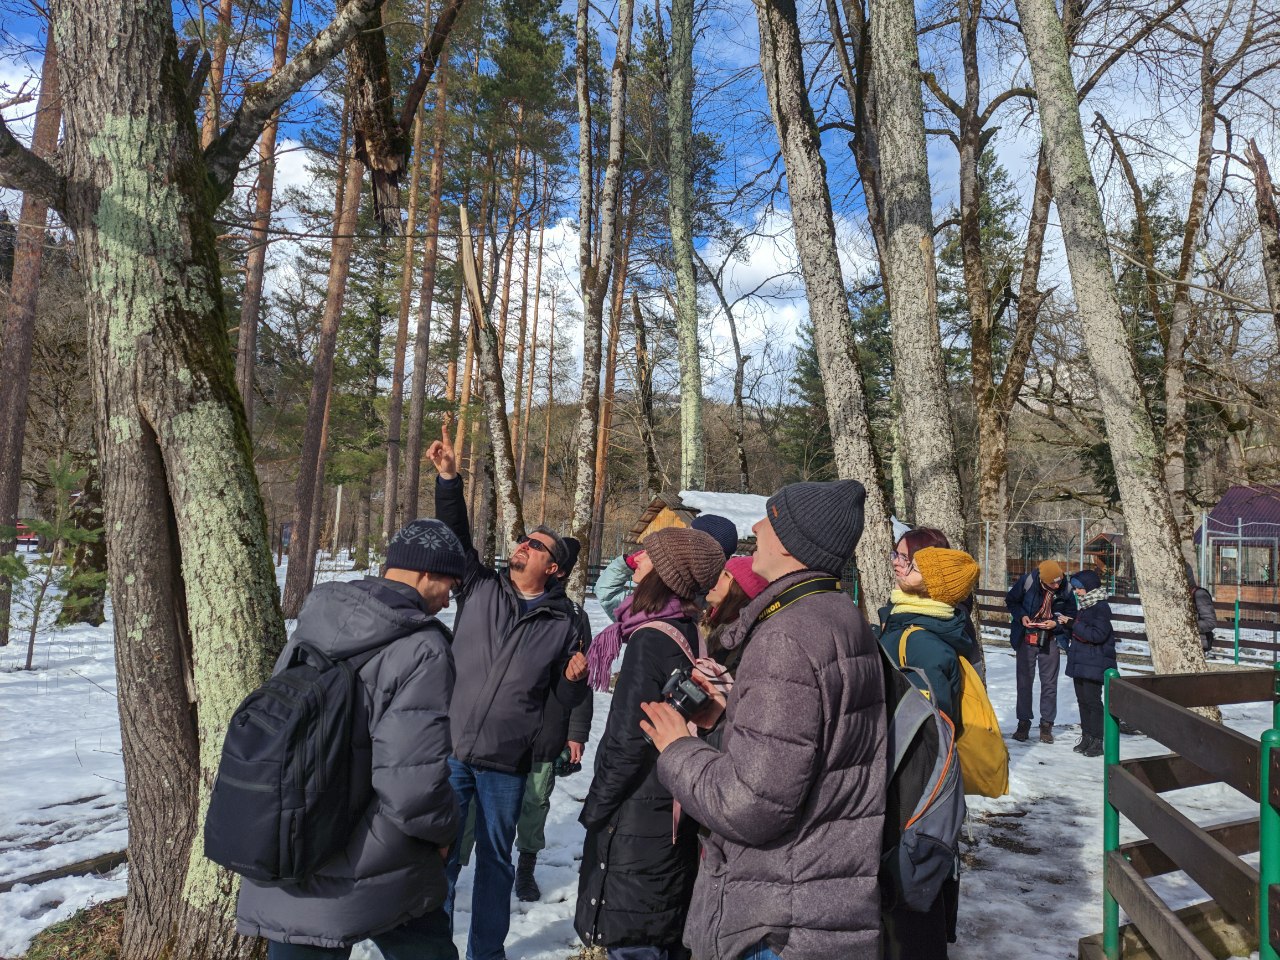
(663, 627)
(902, 643)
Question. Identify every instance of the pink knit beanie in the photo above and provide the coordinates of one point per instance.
(752, 583)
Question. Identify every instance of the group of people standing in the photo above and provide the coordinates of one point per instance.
(748, 827)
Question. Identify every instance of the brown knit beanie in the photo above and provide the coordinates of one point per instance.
(1050, 570)
(687, 561)
(949, 575)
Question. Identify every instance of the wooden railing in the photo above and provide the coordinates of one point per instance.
(1244, 900)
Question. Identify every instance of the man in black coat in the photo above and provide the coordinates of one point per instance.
(516, 644)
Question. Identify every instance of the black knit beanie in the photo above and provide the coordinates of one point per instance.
(819, 523)
(723, 530)
(427, 545)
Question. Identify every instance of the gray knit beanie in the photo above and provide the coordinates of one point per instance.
(427, 545)
(819, 523)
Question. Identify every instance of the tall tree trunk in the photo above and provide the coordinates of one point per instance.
(85, 602)
(464, 399)
(911, 276)
(217, 74)
(1135, 450)
(596, 265)
(1268, 227)
(503, 469)
(644, 387)
(395, 400)
(616, 305)
(364, 529)
(256, 267)
(1181, 320)
(533, 351)
(546, 440)
(426, 294)
(693, 464)
(302, 546)
(20, 319)
(455, 341)
(523, 331)
(814, 226)
(739, 372)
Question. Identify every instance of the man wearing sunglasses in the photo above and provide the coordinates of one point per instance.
(516, 644)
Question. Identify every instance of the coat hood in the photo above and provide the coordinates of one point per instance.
(950, 630)
(345, 619)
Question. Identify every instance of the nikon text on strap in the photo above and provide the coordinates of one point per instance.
(799, 591)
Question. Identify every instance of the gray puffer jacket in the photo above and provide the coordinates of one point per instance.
(794, 799)
(391, 869)
(509, 661)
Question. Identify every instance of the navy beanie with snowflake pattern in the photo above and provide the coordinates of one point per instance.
(427, 545)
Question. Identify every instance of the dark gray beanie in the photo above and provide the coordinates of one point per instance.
(427, 545)
(819, 523)
(723, 530)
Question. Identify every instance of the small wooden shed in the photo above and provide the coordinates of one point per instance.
(680, 509)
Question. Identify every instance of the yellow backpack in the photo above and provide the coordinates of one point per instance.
(984, 757)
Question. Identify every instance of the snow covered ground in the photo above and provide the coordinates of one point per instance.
(1031, 886)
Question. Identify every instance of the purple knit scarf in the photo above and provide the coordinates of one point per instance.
(608, 643)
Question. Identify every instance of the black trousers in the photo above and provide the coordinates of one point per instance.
(1089, 697)
(908, 935)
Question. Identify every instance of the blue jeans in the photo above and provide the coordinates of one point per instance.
(497, 797)
(760, 951)
(423, 938)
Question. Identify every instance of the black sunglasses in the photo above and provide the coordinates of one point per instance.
(536, 544)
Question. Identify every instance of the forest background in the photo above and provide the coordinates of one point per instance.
(254, 257)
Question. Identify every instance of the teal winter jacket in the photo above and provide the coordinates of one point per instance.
(936, 649)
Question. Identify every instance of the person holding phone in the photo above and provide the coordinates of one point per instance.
(1040, 606)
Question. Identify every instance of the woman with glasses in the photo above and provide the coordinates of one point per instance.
(927, 626)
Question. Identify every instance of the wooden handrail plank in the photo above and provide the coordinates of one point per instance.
(1215, 688)
(1167, 771)
(1167, 935)
(1238, 836)
(1231, 882)
(1227, 754)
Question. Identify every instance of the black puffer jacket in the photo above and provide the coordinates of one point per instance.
(636, 884)
(1093, 641)
(559, 723)
(509, 663)
(390, 870)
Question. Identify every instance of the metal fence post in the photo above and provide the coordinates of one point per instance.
(1237, 630)
(1269, 846)
(1110, 821)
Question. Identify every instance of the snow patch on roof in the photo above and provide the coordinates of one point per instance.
(744, 509)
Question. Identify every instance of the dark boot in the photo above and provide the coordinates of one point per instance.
(1046, 733)
(1083, 745)
(1023, 731)
(527, 887)
(1094, 749)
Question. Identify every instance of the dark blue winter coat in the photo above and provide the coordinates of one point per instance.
(1093, 641)
(1024, 599)
(936, 649)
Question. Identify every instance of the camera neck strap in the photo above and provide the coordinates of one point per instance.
(796, 593)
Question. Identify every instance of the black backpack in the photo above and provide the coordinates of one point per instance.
(282, 801)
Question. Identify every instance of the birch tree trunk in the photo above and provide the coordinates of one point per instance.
(644, 386)
(1135, 450)
(546, 439)
(605, 433)
(509, 513)
(426, 295)
(303, 544)
(693, 465)
(533, 353)
(595, 266)
(20, 319)
(1268, 227)
(256, 267)
(911, 277)
(395, 400)
(781, 58)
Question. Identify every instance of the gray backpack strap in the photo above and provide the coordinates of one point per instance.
(911, 714)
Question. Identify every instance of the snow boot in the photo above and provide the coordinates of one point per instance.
(1094, 749)
(1083, 745)
(526, 886)
(1023, 731)
(1046, 733)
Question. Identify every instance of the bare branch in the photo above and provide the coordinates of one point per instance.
(20, 169)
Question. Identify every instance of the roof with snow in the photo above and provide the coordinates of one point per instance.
(1252, 511)
(744, 509)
